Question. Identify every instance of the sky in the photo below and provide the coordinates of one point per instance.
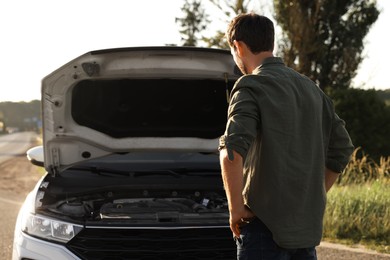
(37, 37)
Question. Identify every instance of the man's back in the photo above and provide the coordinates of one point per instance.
(284, 167)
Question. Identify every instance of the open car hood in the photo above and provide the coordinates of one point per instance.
(135, 99)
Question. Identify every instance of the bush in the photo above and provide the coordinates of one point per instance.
(367, 119)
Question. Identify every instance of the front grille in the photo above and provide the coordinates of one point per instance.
(146, 244)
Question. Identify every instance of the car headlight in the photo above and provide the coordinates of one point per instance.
(49, 229)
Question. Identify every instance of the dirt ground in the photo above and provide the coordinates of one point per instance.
(18, 176)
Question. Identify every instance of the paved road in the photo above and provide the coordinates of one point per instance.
(15, 144)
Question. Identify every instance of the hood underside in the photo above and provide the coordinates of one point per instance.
(135, 99)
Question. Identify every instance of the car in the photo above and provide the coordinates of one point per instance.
(130, 150)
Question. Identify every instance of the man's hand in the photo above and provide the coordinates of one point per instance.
(239, 219)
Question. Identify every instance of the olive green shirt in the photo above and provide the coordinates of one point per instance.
(287, 131)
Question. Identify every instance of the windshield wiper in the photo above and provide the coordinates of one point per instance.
(109, 171)
(101, 170)
(197, 171)
(174, 172)
(157, 172)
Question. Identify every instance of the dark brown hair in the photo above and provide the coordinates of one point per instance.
(256, 31)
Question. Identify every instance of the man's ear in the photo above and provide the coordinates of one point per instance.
(239, 46)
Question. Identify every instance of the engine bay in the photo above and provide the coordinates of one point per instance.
(195, 206)
(152, 188)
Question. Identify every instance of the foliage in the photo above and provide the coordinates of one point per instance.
(385, 96)
(22, 115)
(367, 119)
(359, 213)
(229, 9)
(363, 169)
(194, 21)
(323, 39)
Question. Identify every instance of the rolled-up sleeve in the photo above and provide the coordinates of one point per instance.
(340, 146)
(242, 123)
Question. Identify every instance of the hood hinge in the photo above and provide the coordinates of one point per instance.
(55, 156)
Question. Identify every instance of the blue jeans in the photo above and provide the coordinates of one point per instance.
(256, 243)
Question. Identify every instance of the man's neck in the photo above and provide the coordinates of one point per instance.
(258, 59)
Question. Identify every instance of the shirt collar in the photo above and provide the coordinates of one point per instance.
(268, 61)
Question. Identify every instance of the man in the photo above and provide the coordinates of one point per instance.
(283, 148)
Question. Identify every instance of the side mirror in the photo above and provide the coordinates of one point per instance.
(35, 156)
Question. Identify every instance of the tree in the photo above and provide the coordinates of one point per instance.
(194, 21)
(22, 115)
(367, 119)
(323, 39)
(229, 9)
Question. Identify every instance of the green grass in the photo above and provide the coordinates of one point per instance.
(358, 208)
(359, 214)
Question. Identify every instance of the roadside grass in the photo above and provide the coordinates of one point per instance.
(358, 207)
